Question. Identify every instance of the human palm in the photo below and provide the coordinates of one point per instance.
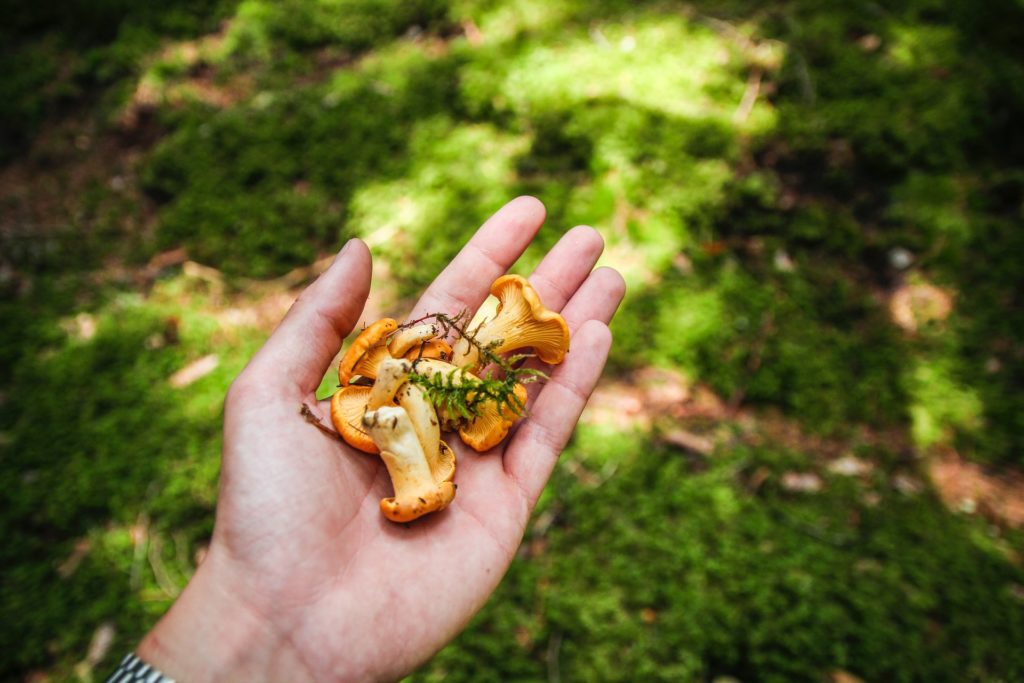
(327, 587)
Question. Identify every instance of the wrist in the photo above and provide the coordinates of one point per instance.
(211, 633)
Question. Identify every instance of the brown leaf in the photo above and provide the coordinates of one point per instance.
(802, 482)
(194, 371)
(689, 441)
(74, 560)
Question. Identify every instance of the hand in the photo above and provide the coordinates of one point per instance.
(305, 579)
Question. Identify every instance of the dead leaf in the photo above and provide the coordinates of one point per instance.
(906, 484)
(840, 676)
(850, 466)
(74, 560)
(194, 371)
(689, 441)
(99, 646)
(802, 482)
(914, 306)
(963, 485)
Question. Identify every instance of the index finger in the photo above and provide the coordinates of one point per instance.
(466, 281)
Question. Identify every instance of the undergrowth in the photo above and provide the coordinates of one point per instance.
(768, 177)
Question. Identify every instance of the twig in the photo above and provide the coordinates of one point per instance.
(749, 97)
(317, 421)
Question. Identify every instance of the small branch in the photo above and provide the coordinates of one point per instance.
(318, 422)
(749, 97)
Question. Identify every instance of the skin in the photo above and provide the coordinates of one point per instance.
(305, 579)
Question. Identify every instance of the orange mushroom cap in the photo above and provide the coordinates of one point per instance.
(437, 349)
(347, 407)
(491, 425)
(493, 421)
(374, 335)
(521, 321)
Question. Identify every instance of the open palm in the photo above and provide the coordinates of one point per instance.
(319, 585)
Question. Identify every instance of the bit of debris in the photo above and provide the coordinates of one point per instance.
(802, 482)
(689, 441)
(70, 565)
(850, 466)
(194, 371)
(915, 306)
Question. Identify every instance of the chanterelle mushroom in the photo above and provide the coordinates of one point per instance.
(405, 339)
(417, 491)
(486, 430)
(366, 352)
(347, 407)
(492, 422)
(424, 421)
(521, 321)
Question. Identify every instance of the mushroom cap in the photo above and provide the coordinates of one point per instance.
(521, 321)
(491, 425)
(437, 349)
(369, 338)
(406, 510)
(550, 337)
(347, 407)
(409, 337)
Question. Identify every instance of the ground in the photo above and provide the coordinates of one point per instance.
(804, 460)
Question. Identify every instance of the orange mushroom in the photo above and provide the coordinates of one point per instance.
(417, 490)
(434, 348)
(367, 347)
(492, 422)
(408, 337)
(347, 407)
(521, 321)
(491, 425)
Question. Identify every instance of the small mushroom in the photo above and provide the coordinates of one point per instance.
(521, 321)
(407, 338)
(347, 407)
(391, 375)
(434, 348)
(486, 430)
(368, 349)
(417, 491)
(424, 421)
(492, 422)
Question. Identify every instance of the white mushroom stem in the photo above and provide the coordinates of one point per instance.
(391, 374)
(405, 339)
(416, 490)
(424, 421)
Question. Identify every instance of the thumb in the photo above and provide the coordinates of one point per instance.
(297, 354)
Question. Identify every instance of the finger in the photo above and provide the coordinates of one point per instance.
(534, 449)
(597, 299)
(566, 266)
(464, 284)
(301, 348)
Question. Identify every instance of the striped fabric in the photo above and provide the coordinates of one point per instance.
(134, 670)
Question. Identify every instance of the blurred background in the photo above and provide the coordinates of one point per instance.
(804, 462)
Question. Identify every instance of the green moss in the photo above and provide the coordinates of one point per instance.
(690, 576)
(761, 238)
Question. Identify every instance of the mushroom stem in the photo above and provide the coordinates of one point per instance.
(391, 374)
(417, 492)
(424, 421)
